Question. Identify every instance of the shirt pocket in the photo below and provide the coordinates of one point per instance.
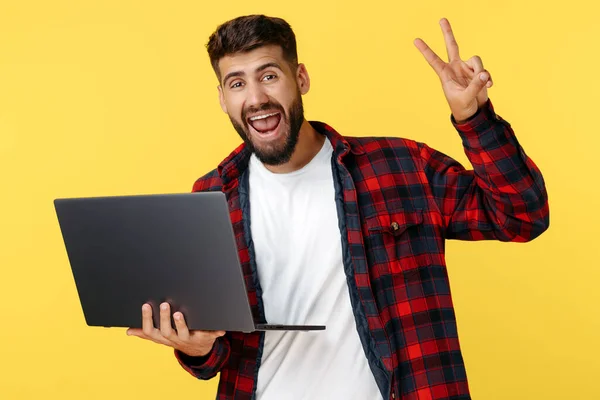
(397, 240)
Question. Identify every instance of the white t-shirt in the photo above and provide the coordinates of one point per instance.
(298, 249)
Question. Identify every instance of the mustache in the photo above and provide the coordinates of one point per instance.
(270, 106)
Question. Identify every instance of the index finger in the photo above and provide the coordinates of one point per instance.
(433, 59)
(451, 45)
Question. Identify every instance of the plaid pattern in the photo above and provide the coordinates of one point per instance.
(398, 201)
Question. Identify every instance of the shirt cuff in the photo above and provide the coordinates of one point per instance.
(484, 114)
(197, 362)
(481, 127)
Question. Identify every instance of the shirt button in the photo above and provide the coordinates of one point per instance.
(395, 226)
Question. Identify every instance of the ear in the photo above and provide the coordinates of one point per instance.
(303, 79)
(222, 99)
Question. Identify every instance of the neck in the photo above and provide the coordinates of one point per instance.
(309, 144)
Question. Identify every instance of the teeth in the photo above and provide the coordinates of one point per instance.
(262, 116)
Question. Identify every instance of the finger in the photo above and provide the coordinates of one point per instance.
(165, 320)
(140, 333)
(433, 59)
(477, 66)
(182, 329)
(478, 82)
(490, 81)
(156, 338)
(135, 332)
(147, 323)
(451, 45)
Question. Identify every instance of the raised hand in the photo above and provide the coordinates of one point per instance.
(464, 83)
(192, 343)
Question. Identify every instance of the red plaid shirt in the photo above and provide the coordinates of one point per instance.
(398, 201)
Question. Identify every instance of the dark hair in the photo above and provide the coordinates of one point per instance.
(249, 32)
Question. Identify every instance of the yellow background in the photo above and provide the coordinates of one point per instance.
(117, 97)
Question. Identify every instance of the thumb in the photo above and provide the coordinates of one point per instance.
(477, 84)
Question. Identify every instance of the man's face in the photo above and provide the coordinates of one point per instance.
(262, 95)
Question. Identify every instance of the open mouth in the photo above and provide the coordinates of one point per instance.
(265, 124)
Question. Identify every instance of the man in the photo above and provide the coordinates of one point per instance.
(349, 232)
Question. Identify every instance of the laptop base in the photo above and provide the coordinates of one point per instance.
(278, 327)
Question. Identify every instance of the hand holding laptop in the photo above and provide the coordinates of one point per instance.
(192, 343)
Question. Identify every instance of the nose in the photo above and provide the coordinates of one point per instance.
(256, 96)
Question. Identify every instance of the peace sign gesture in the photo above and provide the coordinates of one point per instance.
(464, 83)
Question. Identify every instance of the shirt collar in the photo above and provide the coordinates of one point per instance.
(232, 167)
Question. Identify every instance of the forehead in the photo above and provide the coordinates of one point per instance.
(249, 61)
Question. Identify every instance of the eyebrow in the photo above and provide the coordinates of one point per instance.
(259, 69)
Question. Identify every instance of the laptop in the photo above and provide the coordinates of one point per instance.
(125, 251)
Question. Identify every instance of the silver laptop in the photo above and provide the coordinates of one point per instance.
(125, 251)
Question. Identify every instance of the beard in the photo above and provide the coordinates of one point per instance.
(280, 152)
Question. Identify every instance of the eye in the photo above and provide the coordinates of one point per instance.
(269, 77)
(236, 85)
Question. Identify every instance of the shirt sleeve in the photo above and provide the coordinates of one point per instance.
(503, 197)
(208, 366)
